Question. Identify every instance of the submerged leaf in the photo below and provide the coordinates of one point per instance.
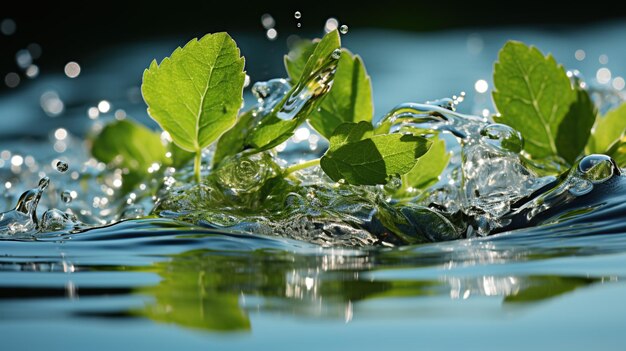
(195, 93)
(533, 95)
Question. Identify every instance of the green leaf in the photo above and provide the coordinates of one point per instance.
(575, 128)
(426, 171)
(608, 130)
(350, 99)
(297, 58)
(179, 157)
(302, 99)
(349, 133)
(233, 141)
(532, 94)
(195, 93)
(370, 161)
(131, 146)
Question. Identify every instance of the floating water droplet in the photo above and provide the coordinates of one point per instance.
(336, 54)
(43, 183)
(271, 34)
(299, 24)
(597, 168)
(62, 166)
(297, 15)
(66, 196)
(343, 29)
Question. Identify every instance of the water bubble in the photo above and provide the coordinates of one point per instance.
(32, 71)
(336, 54)
(66, 196)
(7, 26)
(62, 166)
(23, 58)
(597, 168)
(343, 29)
(502, 137)
(72, 69)
(297, 15)
(12, 79)
(271, 34)
(43, 183)
(267, 21)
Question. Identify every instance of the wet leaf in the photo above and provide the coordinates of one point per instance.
(302, 99)
(533, 95)
(426, 171)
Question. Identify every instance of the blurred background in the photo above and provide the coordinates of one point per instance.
(63, 59)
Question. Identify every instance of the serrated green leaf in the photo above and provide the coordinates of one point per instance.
(374, 160)
(576, 126)
(532, 95)
(195, 93)
(233, 141)
(131, 146)
(608, 130)
(302, 99)
(426, 171)
(297, 58)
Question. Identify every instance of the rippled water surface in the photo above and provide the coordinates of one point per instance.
(159, 284)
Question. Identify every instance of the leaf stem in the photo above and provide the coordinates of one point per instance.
(303, 165)
(196, 165)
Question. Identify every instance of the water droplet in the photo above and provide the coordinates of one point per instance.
(343, 29)
(267, 21)
(394, 184)
(43, 183)
(336, 54)
(299, 24)
(502, 137)
(62, 166)
(597, 168)
(66, 196)
(297, 15)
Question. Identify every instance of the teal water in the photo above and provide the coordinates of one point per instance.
(157, 284)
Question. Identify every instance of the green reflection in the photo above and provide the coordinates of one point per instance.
(215, 290)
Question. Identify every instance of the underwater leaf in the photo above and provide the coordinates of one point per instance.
(426, 171)
(609, 129)
(575, 128)
(374, 160)
(195, 93)
(302, 99)
(131, 146)
(532, 95)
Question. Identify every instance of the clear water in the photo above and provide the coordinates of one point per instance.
(160, 284)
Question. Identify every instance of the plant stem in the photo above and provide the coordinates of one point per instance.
(196, 165)
(302, 165)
